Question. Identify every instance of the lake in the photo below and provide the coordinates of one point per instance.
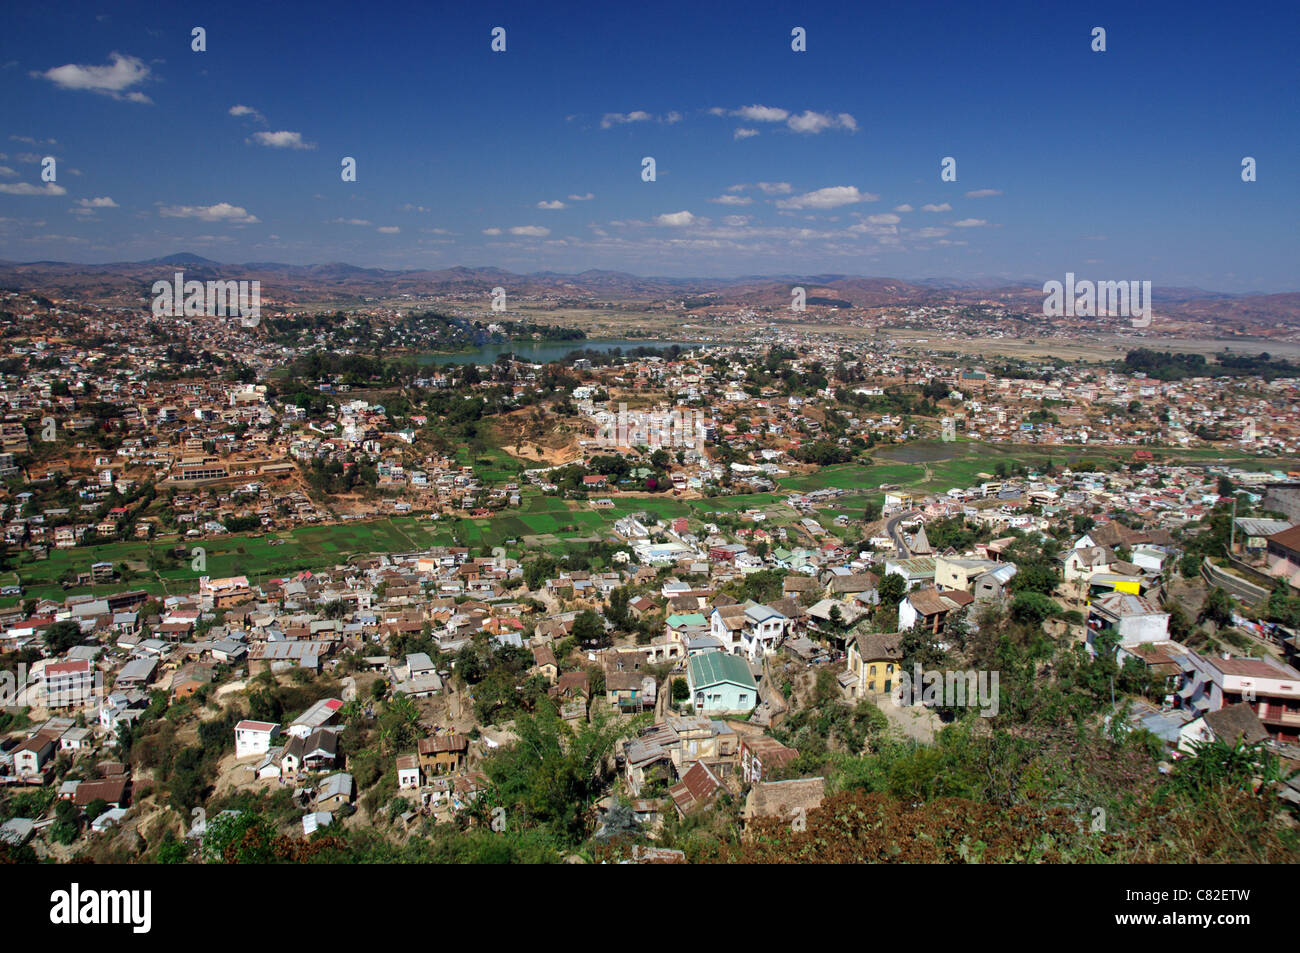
(542, 352)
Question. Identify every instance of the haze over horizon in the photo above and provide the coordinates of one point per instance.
(183, 258)
(1117, 165)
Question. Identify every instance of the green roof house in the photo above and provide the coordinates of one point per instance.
(720, 682)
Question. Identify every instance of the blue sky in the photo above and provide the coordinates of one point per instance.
(1122, 164)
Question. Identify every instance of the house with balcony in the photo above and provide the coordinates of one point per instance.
(748, 629)
(929, 608)
(442, 754)
(1270, 688)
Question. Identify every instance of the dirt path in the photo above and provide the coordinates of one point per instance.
(916, 722)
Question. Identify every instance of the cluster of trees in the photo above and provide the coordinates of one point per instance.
(339, 476)
(497, 678)
(617, 469)
(527, 330)
(956, 532)
(823, 453)
(617, 355)
(894, 401)
(1167, 366)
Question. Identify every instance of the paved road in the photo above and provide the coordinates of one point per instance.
(893, 532)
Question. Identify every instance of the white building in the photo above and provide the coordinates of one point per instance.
(254, 737)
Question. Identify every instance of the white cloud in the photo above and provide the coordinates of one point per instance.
(221, 212)
(247, 111)
(941, 207)
(982, 193)
(530, 231)
(736, 221)
(903, 208)
(491, 231)
(886, 218)
(969, 223)
(831, 197)
(676, 219)
(731, 199)
(388, 229)
(582, 198)
(556, 204)
(811, 123)
(34, 142)
(26, 188)
(102, 202)
(762, 113)
(881, 230)
(767, 188)
(115, 79)
(743, 133)
(7, 172)
(281, 140)
(619, 119)
(350, 221)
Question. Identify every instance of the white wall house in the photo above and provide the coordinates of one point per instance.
(254, 737)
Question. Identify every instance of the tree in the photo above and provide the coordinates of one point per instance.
(398, 724)
(588, 629)
(1033, 607)
(62, 636)
(1034, 575)
(616, 612)
(241, 838)
(892, 588)
(1282, 606)
(67, 824)
(553, 774)
(1217, 608)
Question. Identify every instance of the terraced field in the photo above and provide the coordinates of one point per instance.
(549, 523)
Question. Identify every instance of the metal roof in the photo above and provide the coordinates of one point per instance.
(713, 667)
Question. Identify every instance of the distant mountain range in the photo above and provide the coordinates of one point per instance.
(342, 284)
